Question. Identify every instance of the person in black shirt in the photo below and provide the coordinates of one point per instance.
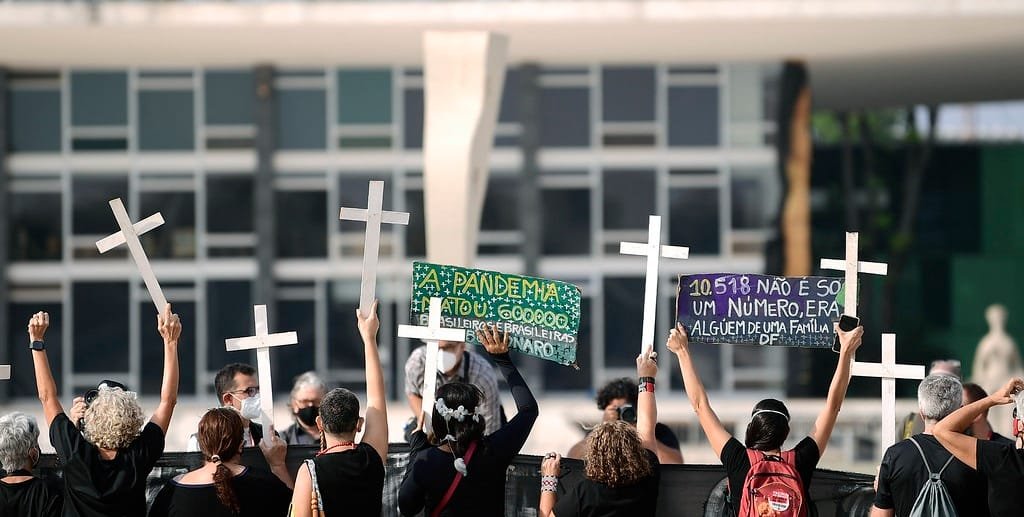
(20, 492)
(981, 428)
(349, 477)
(222, 487)
(903, 472)
(769, 422)
(621, 464)
(480, 461)
(106, 462)
(1000, 464)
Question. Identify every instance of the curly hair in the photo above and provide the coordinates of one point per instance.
(615, 456)
(624, 388)
(340, 411)
(19, 434)
(113, 419)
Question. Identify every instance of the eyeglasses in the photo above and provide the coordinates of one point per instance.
(92, 394)
(251, 391)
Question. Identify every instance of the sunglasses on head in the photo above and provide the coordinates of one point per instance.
(93, 393)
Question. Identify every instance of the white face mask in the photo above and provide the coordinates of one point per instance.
(446, 360)
(251, 408)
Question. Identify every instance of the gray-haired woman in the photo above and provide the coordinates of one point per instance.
(20, 492)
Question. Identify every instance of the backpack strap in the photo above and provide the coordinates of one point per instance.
(931, 475)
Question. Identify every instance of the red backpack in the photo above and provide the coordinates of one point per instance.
(773, 487)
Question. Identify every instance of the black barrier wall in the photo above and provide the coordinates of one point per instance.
(686, 490)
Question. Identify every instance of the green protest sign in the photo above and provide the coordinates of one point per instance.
(541, 316)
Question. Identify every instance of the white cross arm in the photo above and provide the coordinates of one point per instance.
(429, 334)
(874, 268)
(116, 239)
(639, 248)
(269, 340)
(362, 214)
(887, 371)
(5, 372)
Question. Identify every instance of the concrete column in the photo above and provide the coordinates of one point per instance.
(531, 214)
(5, 232)
(264, 289)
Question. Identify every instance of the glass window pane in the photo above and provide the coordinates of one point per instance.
(627, 94)
(413, 111)
(749, 203)
(230, 97)
(416, 231)
(292, 360)
(623, 314)
(228, 314)
(301, 123)
(99, 98)
(564, 117)
(153, 348)
(501, 204)
(35, 226)
(100, 341)
(364, 96)
(176, 238)
(301, 224)
(165, 121)
(35, 120)
(91, 213)
(571, 209)
(346, 349)
(693, 116)
(23, 379)
(628, 198)
(509, 109)
(229, 204)
(558, 377)
(694, 220)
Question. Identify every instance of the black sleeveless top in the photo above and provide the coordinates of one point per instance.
(351, 482)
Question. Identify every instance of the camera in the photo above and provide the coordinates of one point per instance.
(627, 413)
(91, 395)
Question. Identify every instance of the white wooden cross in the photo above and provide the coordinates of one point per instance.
(129, 235)
(373, 215)
(5, 372)
(433, 333)
(262, 342)
(888, 371)
(653, 250)
(851, 266)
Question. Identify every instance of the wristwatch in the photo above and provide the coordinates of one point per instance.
(37, 345)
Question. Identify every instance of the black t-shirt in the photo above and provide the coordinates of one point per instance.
(737, 464)
(351, 482)
(998, 438)
(592, 499)
(34, 497)
(107, 488)
(258, 493)
(902, 474)
(1003, 468)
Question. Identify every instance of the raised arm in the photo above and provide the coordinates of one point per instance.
(949, 430)
(513, 435)
(679, 344)
(45, 385)
(169, 326)
(647, 408)
(826, 421)
(376, 431)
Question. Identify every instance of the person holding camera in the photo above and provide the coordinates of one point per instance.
(617, 401)
(621, 465)
(106, 462)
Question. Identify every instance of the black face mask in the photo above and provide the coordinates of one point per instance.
(307, 415)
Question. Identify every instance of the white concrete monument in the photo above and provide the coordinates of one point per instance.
(888, 371)
(262, 342)
(996, 360)
(433, 334)
(374, 215)
(129, 235)
(851, 266)
(653, 250)
(463, 77)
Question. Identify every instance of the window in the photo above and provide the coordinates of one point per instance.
(301, 224)
(509, 108)
(166, 121)
(565, 117)
(230, 97)
(229, 204)
(501, 204)
(35, 225)
(694, 220)
(91, 213)
(35, 120)
(413, 126)
(627, 94)
(152, 347)
(364, 96)
(416, 231)
(346, 349)
(99, 98)
(623, 317)
(228, 314)
(693, 116)
(566, 221)
(301, 122)
(629, 199)
(23, 379)
(176, 238)
(101, 341)
(751, 201)
(292, 360)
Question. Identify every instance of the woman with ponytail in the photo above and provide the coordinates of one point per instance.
(222, 487)
(461, 471)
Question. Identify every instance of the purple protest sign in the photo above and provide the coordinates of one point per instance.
(759, 309)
